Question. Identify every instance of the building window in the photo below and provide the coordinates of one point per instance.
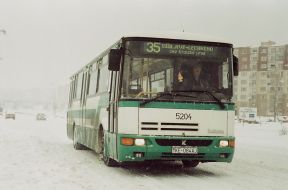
(243, 81)
(279, 57)
(263, 89)
(244, 59)
(263, 58)
(244, 73)
(264, 50)
(254, 50)
(263, 66)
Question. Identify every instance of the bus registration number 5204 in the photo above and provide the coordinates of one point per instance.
(184, 150)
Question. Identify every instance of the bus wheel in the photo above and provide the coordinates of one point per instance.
(76, 145)
(190, 164)
(107, 161)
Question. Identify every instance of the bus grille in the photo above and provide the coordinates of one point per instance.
(178, 142)
(165, 126)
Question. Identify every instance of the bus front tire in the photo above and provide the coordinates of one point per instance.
(189, 164)
(109, 161)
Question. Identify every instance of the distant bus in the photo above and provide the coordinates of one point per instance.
(136, 101)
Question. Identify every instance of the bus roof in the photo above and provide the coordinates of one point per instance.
(178, 36)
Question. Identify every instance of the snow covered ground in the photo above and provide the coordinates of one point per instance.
(37, 155)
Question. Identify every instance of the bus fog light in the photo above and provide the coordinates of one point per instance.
(223, 155)
(139, 154)
(139, 142)
(223, 143)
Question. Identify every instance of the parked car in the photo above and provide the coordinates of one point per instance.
(283, 119)
(1, 111)
(40, 116)
(10, 116)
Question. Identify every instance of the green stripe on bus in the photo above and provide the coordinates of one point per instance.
(178, 105)
(89, 113)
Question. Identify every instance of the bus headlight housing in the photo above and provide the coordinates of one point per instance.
(139, 142)
(224, 143)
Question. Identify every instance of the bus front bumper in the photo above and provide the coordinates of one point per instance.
(160, 148)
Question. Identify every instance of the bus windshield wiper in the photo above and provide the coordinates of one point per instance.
(161, 94)
(221, 104)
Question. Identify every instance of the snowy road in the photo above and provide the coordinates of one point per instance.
(37, 155)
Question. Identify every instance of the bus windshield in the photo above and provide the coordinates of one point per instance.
(151, 68)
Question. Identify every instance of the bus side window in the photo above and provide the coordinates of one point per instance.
(223, 71)
(74, 87)
(70, 94)
(92, 81)
(79, 85)
(103, 79)
(88, 82)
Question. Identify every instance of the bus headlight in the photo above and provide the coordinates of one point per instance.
(139, 142)
(223, 143)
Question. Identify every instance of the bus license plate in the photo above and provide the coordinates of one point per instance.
(184, 150)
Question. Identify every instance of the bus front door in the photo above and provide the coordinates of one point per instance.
(112, 127)
(83, 107)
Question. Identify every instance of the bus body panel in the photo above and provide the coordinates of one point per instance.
(231, 123)
(182, 122)
(73, 117)
(153, 151)
(88, 124)
(128, 120)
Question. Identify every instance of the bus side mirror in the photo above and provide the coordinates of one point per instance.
(114, 59)
(235, 65)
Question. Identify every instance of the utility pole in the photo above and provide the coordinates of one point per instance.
(3, 32)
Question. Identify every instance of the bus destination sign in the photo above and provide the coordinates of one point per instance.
(159, 48)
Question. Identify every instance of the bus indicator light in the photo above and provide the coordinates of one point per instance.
(232, 143)
(127, 141)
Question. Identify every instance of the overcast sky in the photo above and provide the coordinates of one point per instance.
(48, 40)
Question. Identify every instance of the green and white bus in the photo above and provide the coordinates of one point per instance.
(136, 101)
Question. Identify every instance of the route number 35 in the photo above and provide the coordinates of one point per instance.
(183, 116)
(153, 47)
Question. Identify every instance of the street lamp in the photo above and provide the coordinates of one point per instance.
(3, 32)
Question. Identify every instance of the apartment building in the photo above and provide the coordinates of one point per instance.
(263, 79)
